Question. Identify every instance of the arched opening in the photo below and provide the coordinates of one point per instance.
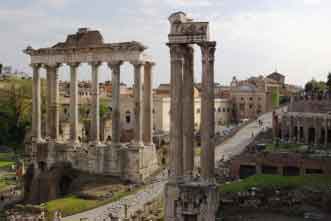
(311, 135)
(300, 134)
(322, 137)
(42, 166)
(64, 185)
(28, 177)
(295, 133)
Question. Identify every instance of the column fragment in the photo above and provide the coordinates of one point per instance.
(207, 112)
(73, 102)
(188, 111)
(176, 115)
(36, 104)
(116, 69)
(138, 104)
(148, 104)
(95, 128)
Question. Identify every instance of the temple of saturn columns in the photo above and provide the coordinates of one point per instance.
(189, 196)
(132, 161)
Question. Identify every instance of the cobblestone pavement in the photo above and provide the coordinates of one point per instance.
(233, 146)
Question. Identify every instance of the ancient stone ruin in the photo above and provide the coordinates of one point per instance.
(132, 161)
(189, 197)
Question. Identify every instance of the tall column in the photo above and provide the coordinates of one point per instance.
(188, 111)
(36, 104)
(176, 110)
(148, 104)
(207, 112)
(290, 132)
(326, 133)
(73, 102)
(115, 99)
(138, 104)
(95, 121)
(52, 72)
(48, 102)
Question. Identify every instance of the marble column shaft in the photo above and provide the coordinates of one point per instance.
(95, 120)
(148, 104)
(138, 103)
(36, 103)
(48, 102)
(207, 112)
(188, 111)
(176, 106)
(116, 128)
(74, 102)
(54, 101)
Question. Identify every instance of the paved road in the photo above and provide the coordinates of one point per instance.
(233, 146)
(242, 138)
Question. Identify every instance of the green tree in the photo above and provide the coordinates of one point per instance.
(328, 82)
(15, 112)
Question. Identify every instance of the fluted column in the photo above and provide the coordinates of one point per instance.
(36, 104)
(148, 104)
(207, 112)
(188, 111)
(73, 102)
(138, 103)
(176, 106)
(116, 130)
(95, 120)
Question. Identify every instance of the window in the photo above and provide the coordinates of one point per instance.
(250, 106)
(250, 98)
(153, 111)
(223, 109)
(219, 109)
(228, 110)
(242, 98)
(198, 110)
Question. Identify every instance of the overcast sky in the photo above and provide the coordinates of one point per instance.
(253, 37)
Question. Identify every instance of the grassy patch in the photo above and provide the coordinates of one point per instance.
(71, 205)
(263, 181)
(283, 146)
(6, 160)
(7, 181)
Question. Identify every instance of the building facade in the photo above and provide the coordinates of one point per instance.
(307, 121)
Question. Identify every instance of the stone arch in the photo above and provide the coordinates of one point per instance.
(311, 135)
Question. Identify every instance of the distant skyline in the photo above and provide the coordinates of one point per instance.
(254, 37)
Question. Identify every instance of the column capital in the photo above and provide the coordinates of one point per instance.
(137, 63)
(56, 65)
(150, 63)
(95, 63)
(73, 64)
(176, 51)
(36, 65)
(208, 49)
(114, 64)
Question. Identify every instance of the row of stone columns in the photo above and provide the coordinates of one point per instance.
(142, 108)
(289, 130)
(182, 111)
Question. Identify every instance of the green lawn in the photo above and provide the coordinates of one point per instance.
(284, 147)
(71, 205)
(6, 160)
(262, 181)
